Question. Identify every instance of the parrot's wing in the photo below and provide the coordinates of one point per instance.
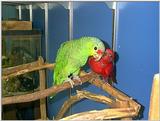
(61, 53)
(65, 62)
(62, 73)
(70, 57)
(59, 63)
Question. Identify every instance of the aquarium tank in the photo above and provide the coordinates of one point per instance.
(20, 47)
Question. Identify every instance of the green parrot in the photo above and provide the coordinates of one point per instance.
(72, 55)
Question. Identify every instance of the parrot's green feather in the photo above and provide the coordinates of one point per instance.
(70, 58)
(72, 55)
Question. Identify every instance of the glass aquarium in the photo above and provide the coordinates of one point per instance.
(20, 47)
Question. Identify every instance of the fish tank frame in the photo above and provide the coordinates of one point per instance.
(20, 47)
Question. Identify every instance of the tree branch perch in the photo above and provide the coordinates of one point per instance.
(80, 95)
(44, 93)
(115, 93)
(102, 114)
(124, 106)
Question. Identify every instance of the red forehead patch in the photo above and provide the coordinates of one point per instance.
(99, 52)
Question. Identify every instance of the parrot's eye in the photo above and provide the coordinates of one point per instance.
(95, 48)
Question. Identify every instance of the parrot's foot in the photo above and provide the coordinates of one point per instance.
(70, 81)
(75, 77)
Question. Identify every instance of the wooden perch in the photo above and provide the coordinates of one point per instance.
(44, 93)
(123, 106)
(26, 68)
(42, 85)
(121, 101)
(120, 96)
(80, 95)
(7, 71)
(102, 114)
(96, 97)
(115, 93)
(68, 104)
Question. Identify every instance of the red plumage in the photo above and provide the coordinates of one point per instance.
(105, 66)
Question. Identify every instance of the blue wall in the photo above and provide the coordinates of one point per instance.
(92, 19)
(137, 47)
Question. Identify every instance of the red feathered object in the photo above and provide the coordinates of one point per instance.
(105, 66)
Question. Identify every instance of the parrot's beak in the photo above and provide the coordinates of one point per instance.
(97, 58)
(98, 55)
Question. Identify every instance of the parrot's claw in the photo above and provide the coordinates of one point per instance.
(70, 81)
(77, 78)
